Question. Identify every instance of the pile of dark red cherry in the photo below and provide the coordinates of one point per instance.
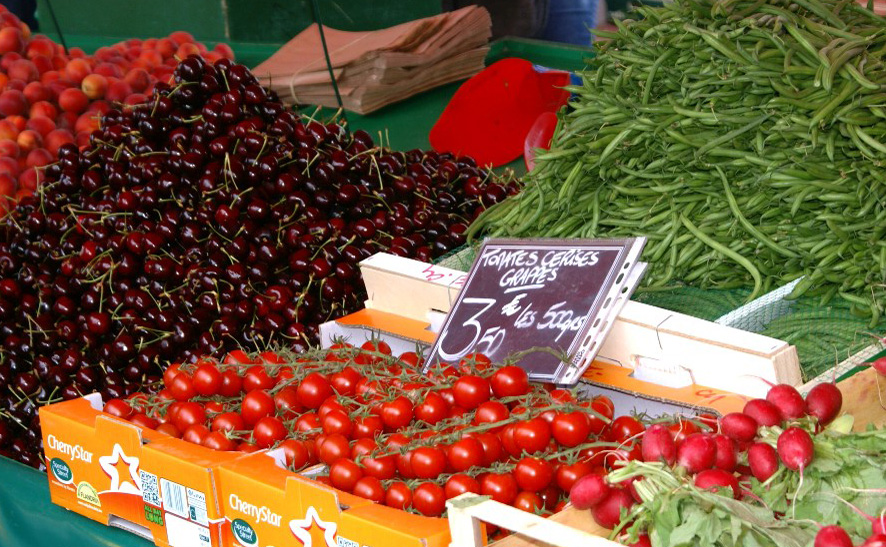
(207, 219)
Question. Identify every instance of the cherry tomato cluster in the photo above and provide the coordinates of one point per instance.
(384, 430)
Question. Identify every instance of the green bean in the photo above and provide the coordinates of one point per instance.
(732, 134)
(742, 261)
(848, 89)
(747, 225)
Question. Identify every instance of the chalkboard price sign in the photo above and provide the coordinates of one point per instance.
(557, 294)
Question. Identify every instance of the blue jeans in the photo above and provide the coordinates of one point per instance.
(570, 21)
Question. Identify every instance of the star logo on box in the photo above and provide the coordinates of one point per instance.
(311, 531)
(127, 481)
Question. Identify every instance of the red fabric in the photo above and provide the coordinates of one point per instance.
(490, 115)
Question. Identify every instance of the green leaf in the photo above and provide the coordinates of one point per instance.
(735, 529)
(843, 424)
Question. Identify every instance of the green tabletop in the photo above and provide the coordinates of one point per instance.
(29, 519)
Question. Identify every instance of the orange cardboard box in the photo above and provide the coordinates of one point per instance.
(265, 505)
(628, 389)
(121, 475)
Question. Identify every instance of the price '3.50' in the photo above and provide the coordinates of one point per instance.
(486, 341)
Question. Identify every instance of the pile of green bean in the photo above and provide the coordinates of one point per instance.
(745, 138)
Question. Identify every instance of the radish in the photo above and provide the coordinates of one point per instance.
(880, 365)
(658, 445)
(824, 401)
(878, 524)
(717, 480)
(727, 456)
(876, 540)
(607, 513)
(739, 426)
(788, 401)
(588, 491)
(642, 541)
(766, 413)
(763, 461)
(629, 484)
(795, 448)
(832, 536)
(697, 452)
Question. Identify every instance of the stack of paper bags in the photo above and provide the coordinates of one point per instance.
(377, 68)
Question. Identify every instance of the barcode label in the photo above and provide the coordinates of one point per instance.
(174, 499)
(150, 488)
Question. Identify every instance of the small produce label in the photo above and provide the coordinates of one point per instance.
(522, 294)
(153, 514)
(244, 533)
(86, 492)
(197, 507)
(61, 471)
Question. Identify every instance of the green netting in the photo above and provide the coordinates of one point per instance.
(701, 303)
(459, 259)
(824, 335)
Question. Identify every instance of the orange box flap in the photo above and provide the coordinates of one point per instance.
(389, 323)
(698, 397)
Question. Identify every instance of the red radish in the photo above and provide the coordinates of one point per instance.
(716, 480)
(766, 413)
(824, 401)
(739, 426)
(880, 365)
(727, 456)
(630, 485)
(876, 540)
(642, 541)
(697, 452)
(658, 445)
(788, 401)
(588, 491)
(832, 536)
(795, 448)
(607, 513)
(763, 461)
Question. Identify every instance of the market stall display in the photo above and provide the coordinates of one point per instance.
(202, 222)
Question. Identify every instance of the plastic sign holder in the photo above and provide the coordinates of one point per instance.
(521, 294)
